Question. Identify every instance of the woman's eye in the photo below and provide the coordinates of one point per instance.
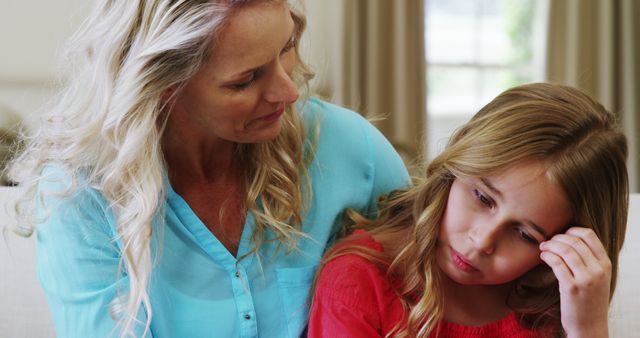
(482, 198)
(243, 85)
(289, 46)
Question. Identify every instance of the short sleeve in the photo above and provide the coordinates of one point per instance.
(78, 262)
(344, 302)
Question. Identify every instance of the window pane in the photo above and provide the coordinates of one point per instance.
(440, 130)
(476, 49)
(449, 30)
(495, 81)
(452, 90)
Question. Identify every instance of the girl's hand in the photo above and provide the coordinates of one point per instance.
(583, 270)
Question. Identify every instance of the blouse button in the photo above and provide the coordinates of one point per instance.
(238, 274)
(247, 316)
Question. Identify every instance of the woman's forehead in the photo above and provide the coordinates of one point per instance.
(254, 35)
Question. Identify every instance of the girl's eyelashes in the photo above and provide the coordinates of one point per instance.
(482, 198)
(526, 237)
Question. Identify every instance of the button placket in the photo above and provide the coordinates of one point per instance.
(244, 300)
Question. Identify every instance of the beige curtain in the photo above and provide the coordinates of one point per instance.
(376, 64)
(595, 45)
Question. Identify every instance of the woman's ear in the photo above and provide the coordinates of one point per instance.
(168, 94)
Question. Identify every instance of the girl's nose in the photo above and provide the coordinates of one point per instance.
(483, 237)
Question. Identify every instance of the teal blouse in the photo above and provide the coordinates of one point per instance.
(197, 288)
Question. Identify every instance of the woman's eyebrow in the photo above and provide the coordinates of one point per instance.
(246, 72)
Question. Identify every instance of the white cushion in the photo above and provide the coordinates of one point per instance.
(623, 315)
(24, 311)
(23, 307)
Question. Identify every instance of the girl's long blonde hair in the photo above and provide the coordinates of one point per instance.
(584, 152)
(106, 127)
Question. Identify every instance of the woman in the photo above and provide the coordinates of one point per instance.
(181, 187)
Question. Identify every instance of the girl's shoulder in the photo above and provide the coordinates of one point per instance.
(349, 267)
(360, 238)
(352, 286)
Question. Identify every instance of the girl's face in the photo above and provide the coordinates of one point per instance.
(492, 226)
(240, 93)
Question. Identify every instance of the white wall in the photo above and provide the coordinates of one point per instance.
(324, 23)
(32, 35)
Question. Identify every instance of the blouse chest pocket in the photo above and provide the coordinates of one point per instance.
(294, 289)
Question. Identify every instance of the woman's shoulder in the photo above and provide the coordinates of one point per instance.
(333, 127)
(335, 121)
(59, 184)
(316, 108)
(66, 201)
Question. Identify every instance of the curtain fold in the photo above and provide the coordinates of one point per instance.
(376, 65)
(594, 45)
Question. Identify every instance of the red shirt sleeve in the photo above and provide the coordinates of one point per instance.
(353, 298)
(344, 303)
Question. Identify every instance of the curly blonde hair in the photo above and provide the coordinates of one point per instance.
(106, 127)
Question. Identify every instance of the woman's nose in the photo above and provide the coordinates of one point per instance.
(281, 88)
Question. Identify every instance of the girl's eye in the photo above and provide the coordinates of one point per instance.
(526, 237)
(482, 198)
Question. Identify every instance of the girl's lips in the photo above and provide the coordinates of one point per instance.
(460, 262)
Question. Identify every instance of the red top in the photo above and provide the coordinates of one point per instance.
(353, 298)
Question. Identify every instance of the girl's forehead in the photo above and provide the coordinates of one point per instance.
(528, 193)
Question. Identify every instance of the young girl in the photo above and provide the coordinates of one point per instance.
(515, 232)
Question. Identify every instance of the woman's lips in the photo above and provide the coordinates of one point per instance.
(461, 262)
(273, 116)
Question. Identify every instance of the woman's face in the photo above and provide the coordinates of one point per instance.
(240, 93)
(492, 226)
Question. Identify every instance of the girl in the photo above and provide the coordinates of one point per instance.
(515, 232)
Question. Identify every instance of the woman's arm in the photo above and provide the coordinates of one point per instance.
(78, 265)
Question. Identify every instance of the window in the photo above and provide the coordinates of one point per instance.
(475, 49)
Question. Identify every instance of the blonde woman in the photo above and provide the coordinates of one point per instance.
(180, 186)
(515, 231)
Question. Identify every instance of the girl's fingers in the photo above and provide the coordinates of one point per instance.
(557, 264)
(577, 244)
(592, 241)
(586, 244)
(582, 255)
(570, 257)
